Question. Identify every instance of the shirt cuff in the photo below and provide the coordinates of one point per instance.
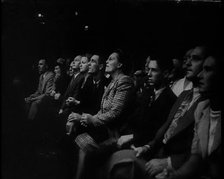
(169, 164)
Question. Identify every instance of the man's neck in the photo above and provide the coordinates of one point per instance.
(97, 76)
(76, 72)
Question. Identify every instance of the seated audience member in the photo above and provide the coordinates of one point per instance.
(61, 81)
(205, 160)
(91, 92)
(114, 106)
(177, 72)
(171, 145)
(184, 83)
(52, 102)
(45, 86)
(148, 117)
(73, 88)
(60, 60)
(69, 70)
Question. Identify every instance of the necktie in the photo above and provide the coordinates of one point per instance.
(152, 99)
(180, 113)
(41, 83)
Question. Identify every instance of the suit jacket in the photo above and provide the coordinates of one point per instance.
(45, 85)
(201, 136)
(179, 145)
(61, 84)
(91, 95)
(200, 162)
(150, 118)
(114, 104)
(73, 89)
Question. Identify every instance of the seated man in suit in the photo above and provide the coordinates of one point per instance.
(91, 92)
(206, 153)
(73, 88)
(172, 143)
(45, 86)
(182, 84)
(114, 106)
(148, 117)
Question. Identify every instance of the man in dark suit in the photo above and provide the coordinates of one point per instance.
(45, 87)
(91, 92)
(172, 143)
(73, 90)
(148, 117)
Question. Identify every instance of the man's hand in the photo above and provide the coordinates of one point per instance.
(60, 111)
(74, 117)
(163, 175)
(139, 150)
(72, 100)
(57, 96)
(156, 166)
(69, 127)
(29, 99)
(52, 93)
(124, 139)
(87, 119)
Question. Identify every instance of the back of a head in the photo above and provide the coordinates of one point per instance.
(123, 58)
(163, 61)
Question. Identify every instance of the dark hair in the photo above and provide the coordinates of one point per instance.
(123, 58)
(163, 61)
(62, 67)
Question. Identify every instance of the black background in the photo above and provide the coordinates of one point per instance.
(137, 26)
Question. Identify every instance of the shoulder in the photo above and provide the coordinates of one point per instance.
(50, 74)
(125, 79)
(201, 108)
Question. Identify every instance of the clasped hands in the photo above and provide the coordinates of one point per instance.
(84, 119)
(71, 100)
(154, 167)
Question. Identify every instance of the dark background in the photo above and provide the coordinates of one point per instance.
(137, 26)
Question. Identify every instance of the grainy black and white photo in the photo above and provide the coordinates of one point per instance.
(111, 89)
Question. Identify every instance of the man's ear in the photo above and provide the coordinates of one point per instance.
(101, 66)
(166, 73)
(120, 65)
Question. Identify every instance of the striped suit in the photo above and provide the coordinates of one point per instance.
(114, 105)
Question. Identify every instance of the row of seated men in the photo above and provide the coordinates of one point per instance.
(124, 127)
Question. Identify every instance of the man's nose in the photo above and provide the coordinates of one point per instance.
(150, 73)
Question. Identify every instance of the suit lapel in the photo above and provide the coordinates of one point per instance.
(177, 105)
(186, 120)
(44, 82)
(217, 137)
(203, 131)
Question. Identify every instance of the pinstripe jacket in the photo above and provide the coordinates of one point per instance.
(114, 101)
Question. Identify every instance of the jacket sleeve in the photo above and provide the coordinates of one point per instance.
(188, 169)
(49, 87)
(120, 99)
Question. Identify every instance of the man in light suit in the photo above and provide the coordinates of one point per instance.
(206, 153)
(45, 87)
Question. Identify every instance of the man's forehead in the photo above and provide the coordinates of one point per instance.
(78, 58)
(42, 61)
(210, 61)
(197, 51)
(95, 57)
(153, 64)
